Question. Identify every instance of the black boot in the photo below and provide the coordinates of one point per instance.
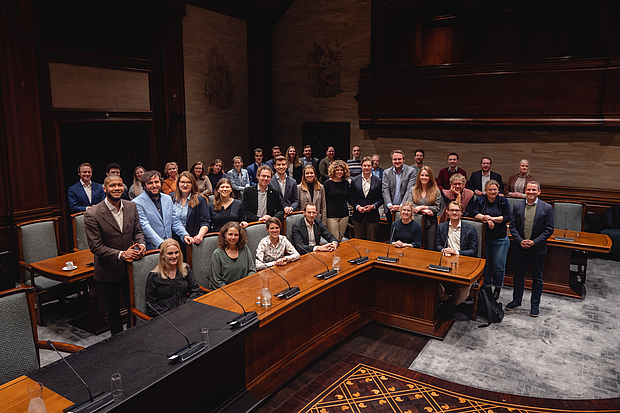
(496, 292)
(446, 308)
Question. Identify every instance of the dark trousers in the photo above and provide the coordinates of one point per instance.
(366, 230)
(110, 293)
(521, 257)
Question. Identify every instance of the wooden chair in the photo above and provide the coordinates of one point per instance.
(79, 232)
(19, 340)
(138, 272)
(475, 288)
(37, 241)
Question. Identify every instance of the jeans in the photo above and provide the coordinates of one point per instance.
(495, 252)
(110, 293)
(537, 262)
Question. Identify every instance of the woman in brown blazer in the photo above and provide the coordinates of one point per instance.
(310, 191)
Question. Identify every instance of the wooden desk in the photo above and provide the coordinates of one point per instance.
(556, 272)
(14, 397)
(95, 322)
(294, 332)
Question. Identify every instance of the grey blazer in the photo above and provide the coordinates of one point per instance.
(388, 184)
(319, 201)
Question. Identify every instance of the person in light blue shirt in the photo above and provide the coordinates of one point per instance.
(239, 177)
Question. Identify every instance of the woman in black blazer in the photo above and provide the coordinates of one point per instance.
(192, 208)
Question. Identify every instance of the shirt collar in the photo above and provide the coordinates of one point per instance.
(111, 207)
(535, 202)
(458, 226)
(85, 185)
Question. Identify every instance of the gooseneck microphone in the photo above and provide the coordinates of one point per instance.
(565, 238)
(242, 319)
(92, 404)
(286, 294)
(325, 275)
(387, 257)
(440, 267)
(356, 261)
(186, 352)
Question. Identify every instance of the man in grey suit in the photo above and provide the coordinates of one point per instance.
(114, 236)
(397, 181)
(531, 225)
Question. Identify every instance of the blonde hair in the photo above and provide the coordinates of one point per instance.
(161, 266)
(168, 165)
(304, 184)
(296, 161)
(432, 190)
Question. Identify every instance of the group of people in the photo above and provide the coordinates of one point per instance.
(171, 212)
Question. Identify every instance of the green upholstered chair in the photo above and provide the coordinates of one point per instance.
(79, 232)
(569, 215)
(199, 259)
(289, 221)
(18, 340)
(138, 272)
(255, 232)
(38, 241)
(475, 288)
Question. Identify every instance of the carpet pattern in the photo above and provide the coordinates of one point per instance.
(572, 351)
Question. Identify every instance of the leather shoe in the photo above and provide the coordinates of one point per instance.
(534, 312)
(496, 292)
(512, 305)
(446, 308)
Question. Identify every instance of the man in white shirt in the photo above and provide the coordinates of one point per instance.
(307, 233)
(285, 185)
(85, 193)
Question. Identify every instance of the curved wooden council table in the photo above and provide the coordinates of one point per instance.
(14, 397)
(556, 272)
(294, 332)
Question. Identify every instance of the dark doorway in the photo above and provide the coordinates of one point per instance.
(321, 135)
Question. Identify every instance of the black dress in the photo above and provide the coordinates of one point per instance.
(234, 212)
(165, 294)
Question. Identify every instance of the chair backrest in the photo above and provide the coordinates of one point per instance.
(138, 274)
(255, 232)
(289, 221)
(211, 198)
(513, 201)
(201, 259)
(79, 232)
(38, 240)
(479, 226)
(568, 215)
(19, 353)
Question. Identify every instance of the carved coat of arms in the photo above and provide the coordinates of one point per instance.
(218, 86)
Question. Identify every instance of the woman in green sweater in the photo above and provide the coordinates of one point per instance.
(233, 260)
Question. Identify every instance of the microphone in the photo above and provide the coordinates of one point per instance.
(325, 275)
(440, 267)
(186, 352)
(92, 404)
(565, 238)
(291, 292)
(355, 261)
(242, 319)
(387, 257)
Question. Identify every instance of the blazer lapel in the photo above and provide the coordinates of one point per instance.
(151, 205)
(107, 216)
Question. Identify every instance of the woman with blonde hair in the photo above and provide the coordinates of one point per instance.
(427, 200)
(517, 183)
(310, 191)
(336, 192)
(293, 164)
(171, 170)
(192, 208)
(232, 261)
(224, 207)
(172, 282)
(136, 188)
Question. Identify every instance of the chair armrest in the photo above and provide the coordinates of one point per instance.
(26, 266)
(204, 290)
(139, 314)
(67, 348)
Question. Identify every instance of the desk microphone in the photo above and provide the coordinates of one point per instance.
(355, 261)
(387, 257)
(325, 275)
(291, 292)
(92, 404)
(440, 267)
(186, 352)
(565, 238)
(242, 319)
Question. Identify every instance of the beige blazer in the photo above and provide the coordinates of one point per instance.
(319, 201)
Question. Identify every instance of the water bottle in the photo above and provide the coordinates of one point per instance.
(337, 260)
(266, 291)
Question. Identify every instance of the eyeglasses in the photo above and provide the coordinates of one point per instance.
(184, 183)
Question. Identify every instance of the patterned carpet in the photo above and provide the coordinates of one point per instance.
(572, 351)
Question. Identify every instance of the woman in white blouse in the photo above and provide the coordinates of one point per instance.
(274, 249)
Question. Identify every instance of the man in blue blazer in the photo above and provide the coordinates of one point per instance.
(531, 226)
(85, 193)
(157, 216)
(365, 205)
(376, 169)
(455, 237)
(475, 180)
(285, 185)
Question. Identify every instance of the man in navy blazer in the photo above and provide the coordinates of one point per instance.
(531, 226)
(365, 206)
(280, 181)
(157, 215)
(85, 193)
(476, 182)
(455, 237)
(300, 233)
(251, 201)
(376, 169)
